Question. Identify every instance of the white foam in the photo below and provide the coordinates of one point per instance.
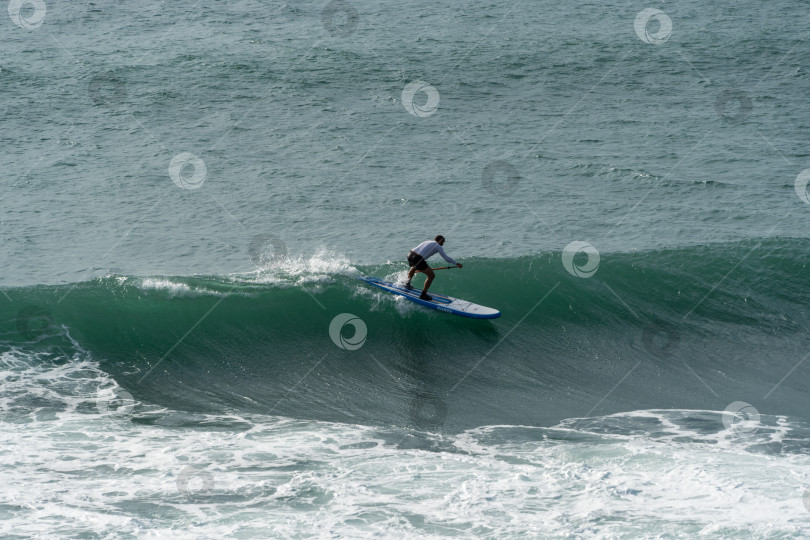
(295, 270)
(175, 288)
(69, 469)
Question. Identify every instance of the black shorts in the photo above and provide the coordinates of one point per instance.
(414, 259)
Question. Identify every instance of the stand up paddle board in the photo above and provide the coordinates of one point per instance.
(448, 304)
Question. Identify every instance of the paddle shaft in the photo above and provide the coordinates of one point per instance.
(441, 268)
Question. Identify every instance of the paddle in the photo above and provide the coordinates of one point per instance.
(441, 268)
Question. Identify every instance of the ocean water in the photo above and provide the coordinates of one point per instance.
(190, 190)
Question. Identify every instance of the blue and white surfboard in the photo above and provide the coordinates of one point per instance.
(448, 304)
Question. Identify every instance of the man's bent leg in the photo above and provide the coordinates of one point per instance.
(411, 273)
(430, 275)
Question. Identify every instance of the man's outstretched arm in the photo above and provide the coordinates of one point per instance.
(446, 257)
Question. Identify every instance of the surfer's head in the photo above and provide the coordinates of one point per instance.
(440, 240)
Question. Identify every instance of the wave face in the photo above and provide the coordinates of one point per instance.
(691, 328)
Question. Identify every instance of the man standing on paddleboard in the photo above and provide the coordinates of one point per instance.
(417, 260)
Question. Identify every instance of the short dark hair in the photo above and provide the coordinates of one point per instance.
(439, 238)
